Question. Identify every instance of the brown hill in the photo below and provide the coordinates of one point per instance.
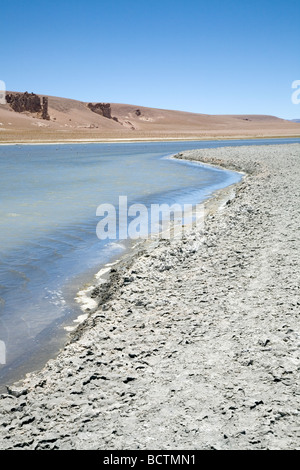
(71, 120)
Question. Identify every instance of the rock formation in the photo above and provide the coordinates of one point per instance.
(28, 102)
(45, 114)
(21, 102)
(104, 109)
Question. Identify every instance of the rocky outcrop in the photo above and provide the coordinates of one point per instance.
(28, 102)
(45, 114)
(104, 109)
(21, 102)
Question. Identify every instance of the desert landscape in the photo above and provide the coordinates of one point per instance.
(24, 120)
(149, 228)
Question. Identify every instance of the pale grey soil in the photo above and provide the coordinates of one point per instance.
(196, 344)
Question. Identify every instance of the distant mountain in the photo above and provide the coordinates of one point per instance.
(38, 118)
(295, 120)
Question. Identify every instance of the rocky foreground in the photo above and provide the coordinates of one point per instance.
(195, 344)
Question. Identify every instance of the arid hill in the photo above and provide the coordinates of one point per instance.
(38, 118)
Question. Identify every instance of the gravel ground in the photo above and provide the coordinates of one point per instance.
(195, 343)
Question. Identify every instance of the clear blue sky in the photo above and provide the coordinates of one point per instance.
(214, 56)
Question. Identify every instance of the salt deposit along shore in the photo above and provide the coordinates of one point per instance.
(195, 343)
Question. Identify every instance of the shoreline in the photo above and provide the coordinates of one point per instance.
(211, 204)
(88, 305)
(146, 140)
(193, 340)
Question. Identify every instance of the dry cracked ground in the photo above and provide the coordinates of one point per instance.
(195, 343)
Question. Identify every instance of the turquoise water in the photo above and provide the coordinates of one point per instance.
(49, 195)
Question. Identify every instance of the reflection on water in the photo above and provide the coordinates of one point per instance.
(49, 196)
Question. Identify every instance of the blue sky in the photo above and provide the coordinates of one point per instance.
(214, 57)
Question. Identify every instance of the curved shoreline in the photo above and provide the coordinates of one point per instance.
(194, 344)
(102, 279)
